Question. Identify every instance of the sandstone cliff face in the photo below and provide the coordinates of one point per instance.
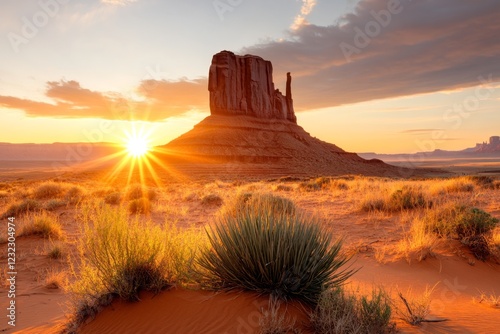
(243, 85)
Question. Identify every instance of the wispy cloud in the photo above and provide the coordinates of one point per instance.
(420, 131)
(158, 100)
(118, 2)
(305, 10)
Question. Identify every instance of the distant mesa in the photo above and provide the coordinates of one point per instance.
(253, 122)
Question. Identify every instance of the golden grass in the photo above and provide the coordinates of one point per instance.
(43, 224)
(418, 242)
(274, 321)
(49, 189)
(490, 300)
(414, 307)
(56, 279)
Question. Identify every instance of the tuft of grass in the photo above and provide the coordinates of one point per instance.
(75, 194)
(414, 309)
(139, 206)
(56, 279)
(113, 198)
(491, 300)
(56, 251)
(256, 203)
(273, 321)
(407, 198)
(54, 204)
(418, 242)
(316, 184)
(42, 224)
(48, 190)
(138, 191)
(27, 205)
(339, 312)
(278, 254)
(212, 200)
(486, 182)
(120, 256)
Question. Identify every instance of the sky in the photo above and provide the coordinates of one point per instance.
(385, 76)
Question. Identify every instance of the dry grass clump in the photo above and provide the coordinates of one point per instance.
(244, 203)
(56, 251)
(75, 194)
(48, 190)
(273, 321)
(407, 197)
(418, 242)
(113, 198)
(54, 204)
(491, 300)
(212, 200)
(415, 308)
(316, 184)
(486, 182)
(278, 254)
(454, 185)
(27, 205)
(56, 279)
(121, 256)
(139, 206)
(468, 224)
(138, 191)
(43, 224)
(340, 312)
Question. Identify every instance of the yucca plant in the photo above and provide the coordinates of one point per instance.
(278, 254)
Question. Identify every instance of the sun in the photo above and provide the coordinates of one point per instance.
(137, 146)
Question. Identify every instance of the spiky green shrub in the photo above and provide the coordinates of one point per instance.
(282, 255)
(340, 312)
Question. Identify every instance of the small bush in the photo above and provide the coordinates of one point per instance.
(54, 204)
(285, 256)
(246, 203)
(407, 198)
(418, 242)
(316, 184)
(42, 224)
(27, 205)
(413, 309)
(339, 312)
(56, 251)
(119, 256)
(47, 190)
(56, 280)
(75, 194)
(212, 200)
(458, 185)
(113, 198)
(138, 191)
(139, 206)
(483, 181)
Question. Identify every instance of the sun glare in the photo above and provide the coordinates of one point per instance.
(137, 146)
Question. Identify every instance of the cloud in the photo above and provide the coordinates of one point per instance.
(118, 2)
(420, 131)
(158, 100)
(427, 46)
(305, 10)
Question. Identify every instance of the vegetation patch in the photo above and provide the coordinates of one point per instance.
(48, 190)
(42, 224)
(282, 255)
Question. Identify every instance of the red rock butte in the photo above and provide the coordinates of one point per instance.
(252, 130)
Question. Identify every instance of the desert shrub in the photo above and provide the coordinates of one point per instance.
(282, 187)
(47, 190)
(285, 256)
(54, 204)
(418, 242)
(245, 203)
(138, 191)
(56, 279)
(339, 312)
(75, 194)
(120, 256)
(4, 194)
(113, 198)
(407, 198)
(42, 224)
(468, 224)
(212, 199)
(339, 184)
(27, 205)
(483, 181)
(56, 252)
(414, 308)
(139, 206)
(458, 185)
(372, 203)
(316, 184)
